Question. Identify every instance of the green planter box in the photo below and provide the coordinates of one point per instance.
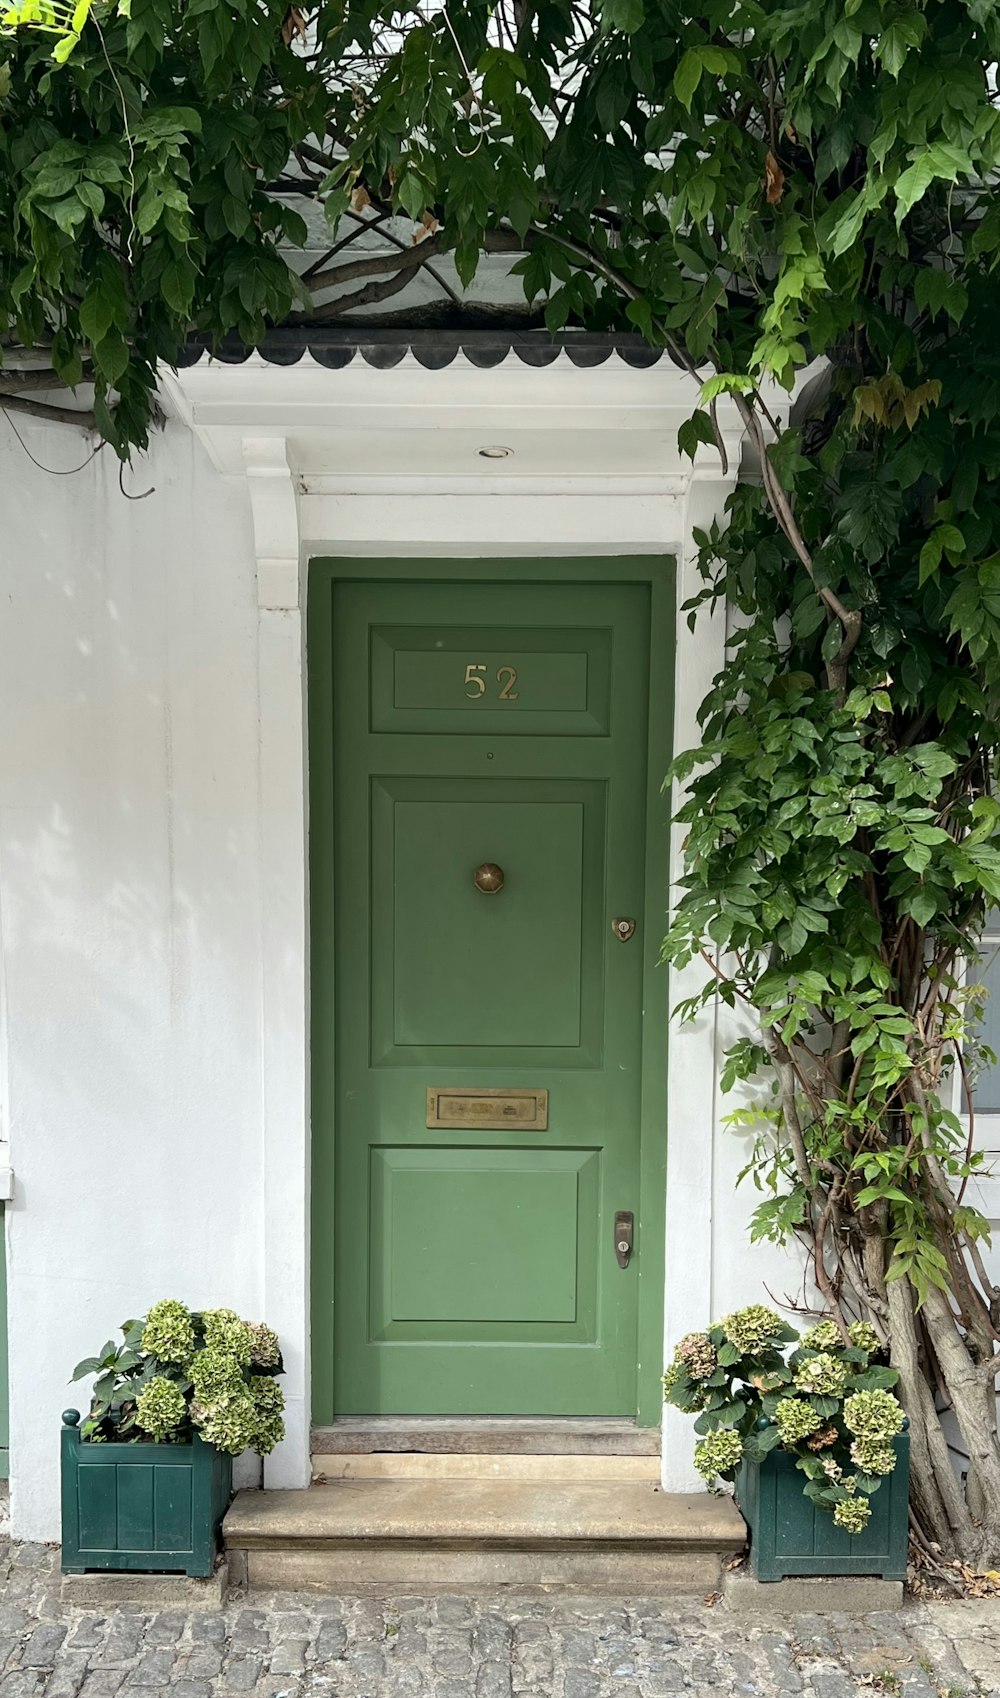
(789, 1535)
(152, 1507)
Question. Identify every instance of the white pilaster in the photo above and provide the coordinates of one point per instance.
(284, 935)
(692, 1077)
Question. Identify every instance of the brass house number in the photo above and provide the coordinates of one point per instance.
(475, 682)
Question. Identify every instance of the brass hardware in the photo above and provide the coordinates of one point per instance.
(486, 1107)
(624, 1228)
(623, 929)
(489, 878)
(475, 682)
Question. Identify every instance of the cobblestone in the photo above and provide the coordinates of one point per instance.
(484, 1645)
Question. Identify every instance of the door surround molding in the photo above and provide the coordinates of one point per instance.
(593, 504)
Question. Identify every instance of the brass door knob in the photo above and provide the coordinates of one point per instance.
(489, 878)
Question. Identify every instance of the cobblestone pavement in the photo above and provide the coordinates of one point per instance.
(491, 1645)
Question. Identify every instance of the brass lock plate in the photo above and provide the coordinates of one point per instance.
(624, 1229)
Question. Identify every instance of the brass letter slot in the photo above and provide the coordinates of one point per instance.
(523, 1111)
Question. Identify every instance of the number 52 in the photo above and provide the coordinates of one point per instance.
(475, 680)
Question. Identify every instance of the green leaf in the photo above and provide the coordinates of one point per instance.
(626, 15)
(111, 357)
(687, 77)
(695, 431)
(923, 905)
(177, 285)
(938, 163)
(937, 292)
(92, 196)
(895, 43)
(96, 314)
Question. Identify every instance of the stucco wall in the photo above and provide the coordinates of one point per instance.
(129, 905)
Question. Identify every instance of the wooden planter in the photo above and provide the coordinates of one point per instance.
(789, 1535)
(152, 1507)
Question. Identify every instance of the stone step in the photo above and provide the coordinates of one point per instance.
(520, 1435)
(428, 1534)
(440, 1465)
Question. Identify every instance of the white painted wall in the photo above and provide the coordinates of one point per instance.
(153, 955)
(129, 895)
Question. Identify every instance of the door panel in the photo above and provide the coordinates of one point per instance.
(460, 976)
(554, 682)
(474, 1235)
(474, 1267)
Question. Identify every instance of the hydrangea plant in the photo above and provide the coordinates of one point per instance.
(181, 1370)
(828, 1402)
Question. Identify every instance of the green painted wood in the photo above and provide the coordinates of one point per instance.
(789, 1535)
(142, 1507)
(459, 1254)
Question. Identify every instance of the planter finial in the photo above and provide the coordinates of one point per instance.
(71, 1417)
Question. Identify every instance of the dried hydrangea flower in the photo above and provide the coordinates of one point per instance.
(853, 1514)
(874, 1414)
(160, 1407)
(265, 1351)
(269, 1403)
(696, 1353)
(796, 1419)
(753, 1330)
(719, 1453)
(225, 1331)
(825, 1335)
(823, 1375)
(872, 1456)
(230, 1422)
(864, 1337)
(168, 1331)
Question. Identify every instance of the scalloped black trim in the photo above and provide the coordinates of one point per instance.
(337, 347)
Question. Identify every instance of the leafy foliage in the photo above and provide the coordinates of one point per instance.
(179, 1371)
(719, 178)
(132, 191)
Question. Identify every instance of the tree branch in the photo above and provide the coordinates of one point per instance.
(849, 618)
(378, 265)
(84, 419)
(368, 296)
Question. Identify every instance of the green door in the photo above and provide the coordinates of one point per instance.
(497, 726)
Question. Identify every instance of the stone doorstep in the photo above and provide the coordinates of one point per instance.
(438, 1465)
(511, 1435)
(448, 1533)
(148, 1591)
(371, 1569)
(490, 1512)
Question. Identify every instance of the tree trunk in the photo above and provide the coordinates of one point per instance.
(974, 1402)
(935, 1491)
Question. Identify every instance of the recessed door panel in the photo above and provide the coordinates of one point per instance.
(483, 1244)
(474, 679)
(467, 976)
(488, 743)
